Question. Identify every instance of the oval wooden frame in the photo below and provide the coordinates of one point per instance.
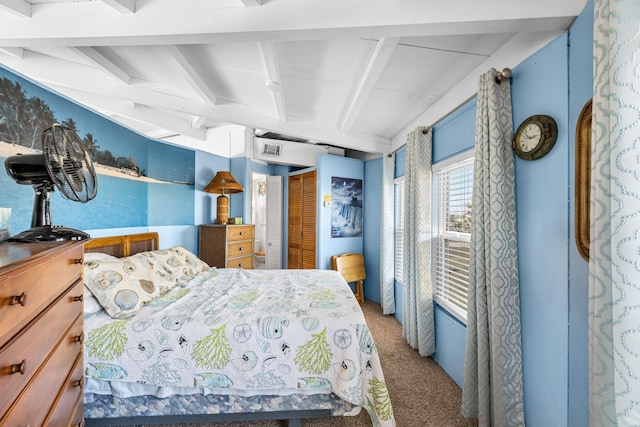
(583, 180)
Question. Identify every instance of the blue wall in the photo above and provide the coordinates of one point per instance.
(580, 91)
(333, 166)
(540, 86)
(372, 218)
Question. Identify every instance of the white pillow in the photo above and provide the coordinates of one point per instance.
(123, 285)
(91, 303)
(180, 261)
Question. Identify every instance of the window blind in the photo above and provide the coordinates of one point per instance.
(399, 227)
(452, 234)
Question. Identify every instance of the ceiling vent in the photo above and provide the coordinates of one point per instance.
(271, 149)
(290, 153)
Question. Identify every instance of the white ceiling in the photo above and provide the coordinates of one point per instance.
(356, 74)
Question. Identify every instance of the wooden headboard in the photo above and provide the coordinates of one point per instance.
(122, 246)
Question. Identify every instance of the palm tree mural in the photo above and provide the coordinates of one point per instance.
(22, 121)
(91, 145)
(39, 117)
(69, 123)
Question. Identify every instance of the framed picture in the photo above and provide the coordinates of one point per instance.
(583, 180)
(346, 207)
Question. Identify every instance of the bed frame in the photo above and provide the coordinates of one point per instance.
(122, 246)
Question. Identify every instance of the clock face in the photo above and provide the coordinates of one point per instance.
(530, 137)
(535, 137)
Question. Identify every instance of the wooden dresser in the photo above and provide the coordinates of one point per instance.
(41, 334)
(229, 246)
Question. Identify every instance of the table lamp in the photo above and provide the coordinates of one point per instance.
(223, 183)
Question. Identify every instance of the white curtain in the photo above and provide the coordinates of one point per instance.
(387, 237)
(417, 315)
(493, 386)
(614, 265)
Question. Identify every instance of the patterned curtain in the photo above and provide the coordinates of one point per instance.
(387, 237)
(493, 386)
(417, 316)
(614, 264)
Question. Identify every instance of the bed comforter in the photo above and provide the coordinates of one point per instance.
(242, 332)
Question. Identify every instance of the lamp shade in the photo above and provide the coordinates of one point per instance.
(223, 183)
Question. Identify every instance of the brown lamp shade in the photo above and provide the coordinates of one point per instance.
(223, 183)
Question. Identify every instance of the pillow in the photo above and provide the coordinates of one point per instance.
(182, 263)
(123, 285)
(90, 302)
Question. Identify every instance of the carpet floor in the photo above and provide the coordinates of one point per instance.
(422, 394)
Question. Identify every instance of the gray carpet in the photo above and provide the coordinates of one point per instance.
(422, 394)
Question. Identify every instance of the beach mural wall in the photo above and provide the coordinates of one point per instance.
(141, 182)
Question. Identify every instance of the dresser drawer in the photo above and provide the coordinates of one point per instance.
(239, 232)
(237, 249)
(243, 262)
(23, 355)
(77, 418)
(70, 397)
(25, 294)
(36, 401)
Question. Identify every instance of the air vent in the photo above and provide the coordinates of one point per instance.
(271, 149)
(281, 152)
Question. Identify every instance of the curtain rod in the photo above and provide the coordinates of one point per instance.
(500, 75)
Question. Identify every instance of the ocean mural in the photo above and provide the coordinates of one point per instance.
(141, 182)
(346, 207)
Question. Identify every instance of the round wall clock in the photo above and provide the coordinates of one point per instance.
(535, 137)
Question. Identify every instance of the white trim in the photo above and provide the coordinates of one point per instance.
(451, 162)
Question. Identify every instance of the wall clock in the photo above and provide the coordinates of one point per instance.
(535, 137)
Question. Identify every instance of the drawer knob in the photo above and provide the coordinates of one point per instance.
(79, 338)
(77, 298)
(241, 249)
(19, 299)
(242, 233)
(78, 382)
(77, 261)
(18, 368)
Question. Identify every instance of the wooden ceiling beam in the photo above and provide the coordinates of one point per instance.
(20, 8)
(170, 22)
(191, 75)
(16, 52)
(274, 78)
(377, 63)
(122, 6)
(103, 63)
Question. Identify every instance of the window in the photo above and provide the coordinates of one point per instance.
(453, 188)
(399, 227)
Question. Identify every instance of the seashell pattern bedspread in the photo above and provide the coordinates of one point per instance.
(242, 332)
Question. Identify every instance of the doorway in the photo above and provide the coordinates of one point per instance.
(259, 216)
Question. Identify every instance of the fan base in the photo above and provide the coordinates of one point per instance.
(49, 233)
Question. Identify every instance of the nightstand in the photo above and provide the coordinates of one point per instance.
(227, 246)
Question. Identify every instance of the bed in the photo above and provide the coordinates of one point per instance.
(170, 340)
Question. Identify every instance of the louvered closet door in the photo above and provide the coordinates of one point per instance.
(294, 245)
(309, 220)
(302, 221)
(274, 223)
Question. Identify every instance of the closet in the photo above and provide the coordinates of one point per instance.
(301, 252)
